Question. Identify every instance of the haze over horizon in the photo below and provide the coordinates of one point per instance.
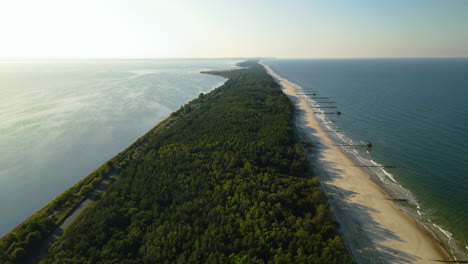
(212, 29)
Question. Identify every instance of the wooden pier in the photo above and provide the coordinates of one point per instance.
(375, 166)
(329, 113)
(452, 261)
(399, 199)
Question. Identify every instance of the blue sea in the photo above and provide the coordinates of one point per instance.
(61, 119)
(415, 112)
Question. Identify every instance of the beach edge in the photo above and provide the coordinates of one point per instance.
(373, 227)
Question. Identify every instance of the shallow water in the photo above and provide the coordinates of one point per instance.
(415, 112)
(60, 120)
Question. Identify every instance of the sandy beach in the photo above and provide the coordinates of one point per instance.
(372, 226)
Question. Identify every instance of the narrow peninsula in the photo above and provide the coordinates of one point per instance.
(223, 179)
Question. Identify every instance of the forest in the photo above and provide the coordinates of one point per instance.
(224, 180)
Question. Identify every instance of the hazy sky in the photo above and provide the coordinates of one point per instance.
(234, 28)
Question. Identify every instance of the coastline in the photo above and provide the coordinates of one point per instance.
(372, 226)
(206, 121)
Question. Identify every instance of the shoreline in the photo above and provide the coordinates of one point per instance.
(373, 227)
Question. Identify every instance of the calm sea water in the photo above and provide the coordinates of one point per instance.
(60, 120)
(415, 112)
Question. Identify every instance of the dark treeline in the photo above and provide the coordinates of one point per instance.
(225, 182)
(24, 239)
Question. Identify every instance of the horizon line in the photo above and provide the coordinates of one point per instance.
(206, 58)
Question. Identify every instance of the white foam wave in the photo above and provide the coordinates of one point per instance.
(445, 232)
(341, 136)
(386, 178)
(389, 175)
(449, 236)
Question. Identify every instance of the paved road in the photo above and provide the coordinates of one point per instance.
(42, 249)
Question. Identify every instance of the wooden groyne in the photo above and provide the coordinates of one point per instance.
(315, 97)
(375, 166)
(324, 107)
(329, 113)
(452, 261)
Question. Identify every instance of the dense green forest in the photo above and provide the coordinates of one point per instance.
(24, 239)
(223, 181)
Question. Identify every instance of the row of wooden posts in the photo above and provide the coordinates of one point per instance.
(319, 99)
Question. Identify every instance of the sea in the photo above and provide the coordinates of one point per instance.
(61, 119)
(414, 111)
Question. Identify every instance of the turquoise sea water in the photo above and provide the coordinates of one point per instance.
(60, 120)
(415, 112)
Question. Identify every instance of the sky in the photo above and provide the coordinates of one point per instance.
(228, 28)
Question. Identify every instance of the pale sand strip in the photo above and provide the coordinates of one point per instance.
(373, 227)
